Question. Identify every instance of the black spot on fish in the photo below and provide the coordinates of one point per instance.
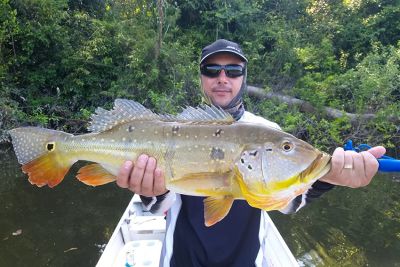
(268, 149)
(253, 153)
(130, 129)
(249, 167)
(242, 160)
(217, 153)
(175, 129)
(218, 133)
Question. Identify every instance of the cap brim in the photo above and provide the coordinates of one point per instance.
(221, 51)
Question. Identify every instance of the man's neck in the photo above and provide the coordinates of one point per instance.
(236, 111)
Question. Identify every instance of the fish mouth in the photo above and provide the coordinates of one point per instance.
(318, 168)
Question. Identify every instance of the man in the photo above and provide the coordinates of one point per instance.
(237, 239)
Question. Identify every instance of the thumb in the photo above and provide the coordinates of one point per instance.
(377, 151)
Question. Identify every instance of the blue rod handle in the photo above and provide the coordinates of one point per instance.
(389, 165)
(386, 163)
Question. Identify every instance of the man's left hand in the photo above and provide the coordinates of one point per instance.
(353, 169)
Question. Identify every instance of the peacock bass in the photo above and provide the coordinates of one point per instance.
(203, 152)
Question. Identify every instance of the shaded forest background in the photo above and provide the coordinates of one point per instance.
(60, 59)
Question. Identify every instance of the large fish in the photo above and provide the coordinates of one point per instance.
(203, 152)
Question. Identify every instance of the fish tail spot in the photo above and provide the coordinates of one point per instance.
(31, 143)
(50, 146)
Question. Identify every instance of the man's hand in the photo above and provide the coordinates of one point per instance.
(142, 177)
(353, 169)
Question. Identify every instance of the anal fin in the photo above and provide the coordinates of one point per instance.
(216, 208)
(94, 175)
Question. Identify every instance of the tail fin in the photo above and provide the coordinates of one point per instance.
(36, 150)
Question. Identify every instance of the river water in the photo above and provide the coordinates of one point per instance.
(70, 224)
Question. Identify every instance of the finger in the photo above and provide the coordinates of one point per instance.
(123, 174)
(371, 165)
(357, 174)
(348, 163)
(358, 164)
(377, 151)
(337, 161)
(135, 182)
(148, 177)
(159, 182)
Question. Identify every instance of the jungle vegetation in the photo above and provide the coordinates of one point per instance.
(60, 59)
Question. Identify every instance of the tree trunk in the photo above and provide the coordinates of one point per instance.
(160, 27)
(305, 106)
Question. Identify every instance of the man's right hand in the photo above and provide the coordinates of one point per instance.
(142, 177)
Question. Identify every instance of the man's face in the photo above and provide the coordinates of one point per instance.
(222, 89)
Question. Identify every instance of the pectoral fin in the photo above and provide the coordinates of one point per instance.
(216, 208)
(202, 184)
(94, 175)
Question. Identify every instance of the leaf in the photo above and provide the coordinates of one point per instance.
(70, 249)
(18, 232)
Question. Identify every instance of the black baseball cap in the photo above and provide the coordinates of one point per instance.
(221, 46)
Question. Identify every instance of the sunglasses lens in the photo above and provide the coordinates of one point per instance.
(213, 70)
(234, 70)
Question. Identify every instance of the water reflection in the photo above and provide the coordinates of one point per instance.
(67, 225)
(348, 227)
(64, 226)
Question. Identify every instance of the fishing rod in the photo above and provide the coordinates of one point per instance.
(386, 163)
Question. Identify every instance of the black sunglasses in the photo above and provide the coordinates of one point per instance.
(231, 70)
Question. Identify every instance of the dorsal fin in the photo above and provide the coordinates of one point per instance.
(204, 113)
(124, 110)
(127, 110)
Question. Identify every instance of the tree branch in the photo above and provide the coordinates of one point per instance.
(305, 106)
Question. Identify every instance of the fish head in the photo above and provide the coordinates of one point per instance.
(276, 171)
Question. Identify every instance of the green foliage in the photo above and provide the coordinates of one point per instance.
(61, 59)
(372, 85)
(8, 29)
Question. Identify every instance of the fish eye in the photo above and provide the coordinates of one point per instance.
(287, 146)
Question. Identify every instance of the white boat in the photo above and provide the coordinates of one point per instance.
(138, 237)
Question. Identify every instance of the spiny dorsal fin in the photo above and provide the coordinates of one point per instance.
(124, 110)
(127, 110)
(204, 113)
